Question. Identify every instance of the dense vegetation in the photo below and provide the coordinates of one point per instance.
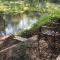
(45, 10)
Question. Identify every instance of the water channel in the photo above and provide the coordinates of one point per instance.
(11, 24)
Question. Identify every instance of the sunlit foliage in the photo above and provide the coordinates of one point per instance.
(47, 10)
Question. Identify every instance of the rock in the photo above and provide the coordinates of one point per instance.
(34, 38)
(58, 58)
(12, 51)
(19, 48)
(43, 44)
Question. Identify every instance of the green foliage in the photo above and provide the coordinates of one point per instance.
(51, 12)
(48, 10)
(17, 6)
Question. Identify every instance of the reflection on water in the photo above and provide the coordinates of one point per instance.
(9, 29)
(23, 23)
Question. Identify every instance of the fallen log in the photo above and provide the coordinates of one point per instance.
(25, 39)
(7, 37)
(8, 48)
(22, 41)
